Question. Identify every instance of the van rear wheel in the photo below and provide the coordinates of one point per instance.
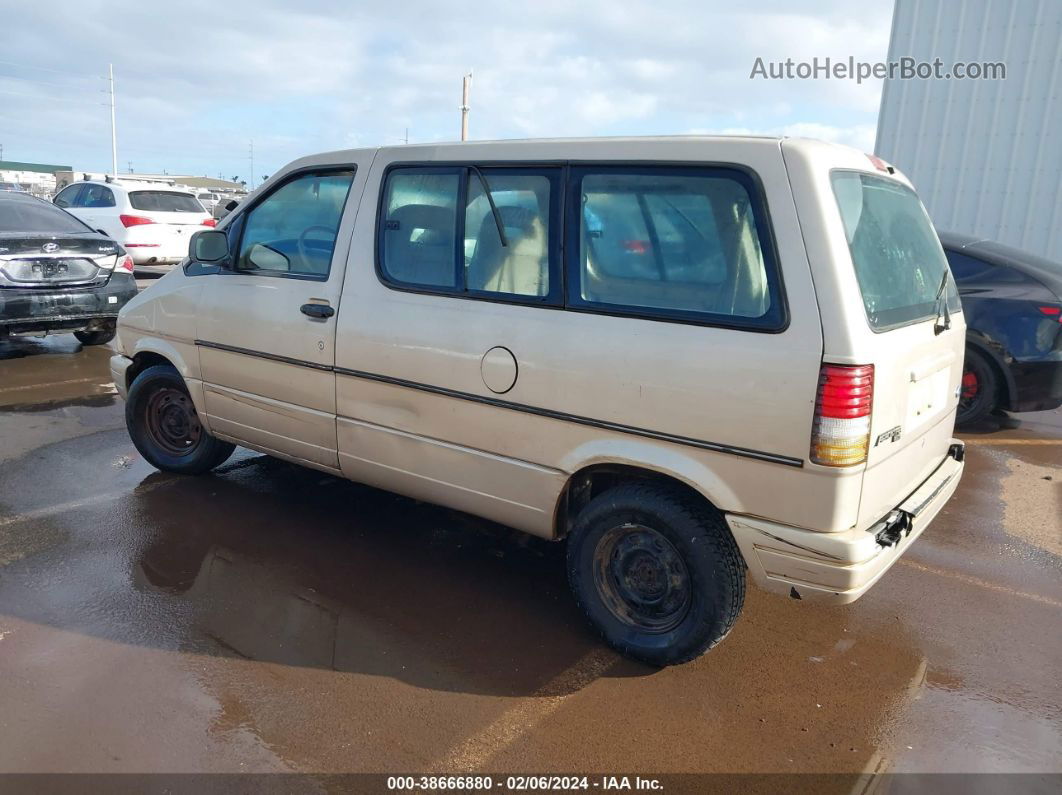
(656, 572)
(165, 427)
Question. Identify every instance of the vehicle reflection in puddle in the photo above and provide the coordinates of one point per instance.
(286, 565)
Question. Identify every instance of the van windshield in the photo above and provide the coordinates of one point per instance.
(898, 260)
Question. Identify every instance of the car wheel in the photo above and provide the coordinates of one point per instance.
(165, 428)
(98, 337)
(979, 390)
(656, 572)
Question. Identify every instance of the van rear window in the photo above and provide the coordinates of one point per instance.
(898, 260)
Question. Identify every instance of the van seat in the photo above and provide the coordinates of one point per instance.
(522, 267)
(420, 244)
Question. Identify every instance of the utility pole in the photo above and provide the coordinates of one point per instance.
(252, 164)
(466, 97)
(130, 164)
(405, 140)
(114, 134)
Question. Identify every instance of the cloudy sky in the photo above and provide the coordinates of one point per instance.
(197, 81)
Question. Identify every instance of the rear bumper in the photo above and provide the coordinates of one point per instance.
(44, 309)
(838, 567)
(157, 256)
(1037, 385)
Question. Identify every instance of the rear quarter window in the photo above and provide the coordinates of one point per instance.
(674, 243)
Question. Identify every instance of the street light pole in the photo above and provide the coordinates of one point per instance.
(466, 97)
(114, 134)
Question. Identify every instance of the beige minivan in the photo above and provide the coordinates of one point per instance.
(690, 357)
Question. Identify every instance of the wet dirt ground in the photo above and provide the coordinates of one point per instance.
(271, 618)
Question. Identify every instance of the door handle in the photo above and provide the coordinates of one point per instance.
(319, 311)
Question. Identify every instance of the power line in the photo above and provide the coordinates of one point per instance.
(21, 65)
(38, 82)
(53, 99)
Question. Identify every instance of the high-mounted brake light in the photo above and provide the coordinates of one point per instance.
(134, 220)
(840, 435)
(880, 164)
(210, 222)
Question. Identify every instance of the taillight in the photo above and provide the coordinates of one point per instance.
(134, 220)
(1052, 311)
(840, 435)
(210, 222)
(126, 263)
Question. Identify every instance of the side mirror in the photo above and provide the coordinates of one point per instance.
(209, 245)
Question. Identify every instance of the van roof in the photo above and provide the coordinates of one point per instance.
(440, 149)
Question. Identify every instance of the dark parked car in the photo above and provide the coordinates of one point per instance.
(1012, 301)
(57, 274)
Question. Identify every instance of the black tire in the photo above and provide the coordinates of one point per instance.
(979, 389)
(98, 337)
(616, 570)
(165, 428)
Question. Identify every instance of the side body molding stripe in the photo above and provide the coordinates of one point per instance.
(744, 452)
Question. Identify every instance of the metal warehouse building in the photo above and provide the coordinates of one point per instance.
(985, 155)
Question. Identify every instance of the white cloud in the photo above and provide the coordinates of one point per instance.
(196, 81)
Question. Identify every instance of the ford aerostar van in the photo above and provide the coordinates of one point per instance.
(696, 359)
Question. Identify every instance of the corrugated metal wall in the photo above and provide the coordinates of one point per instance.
(985, 155)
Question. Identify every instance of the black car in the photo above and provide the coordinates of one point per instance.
(57, 274)
(1012, 301)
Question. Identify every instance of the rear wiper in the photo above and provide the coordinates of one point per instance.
(493, 207)
(937, 326)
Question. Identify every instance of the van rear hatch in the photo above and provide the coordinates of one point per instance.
(914, 334)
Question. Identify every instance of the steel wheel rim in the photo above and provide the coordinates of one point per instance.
(171, 421)
(642, 579)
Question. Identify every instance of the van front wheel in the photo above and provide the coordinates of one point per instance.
(165, 428)
(656, 572)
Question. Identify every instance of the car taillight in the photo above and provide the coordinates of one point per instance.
(126, 263)
(134, 220)
(1052, 311)
(840, 435)
(210, 222)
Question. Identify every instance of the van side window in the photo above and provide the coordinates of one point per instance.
(293, 230)
(428, 239)
(420, 227)
(672, 243)
(521, 266)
